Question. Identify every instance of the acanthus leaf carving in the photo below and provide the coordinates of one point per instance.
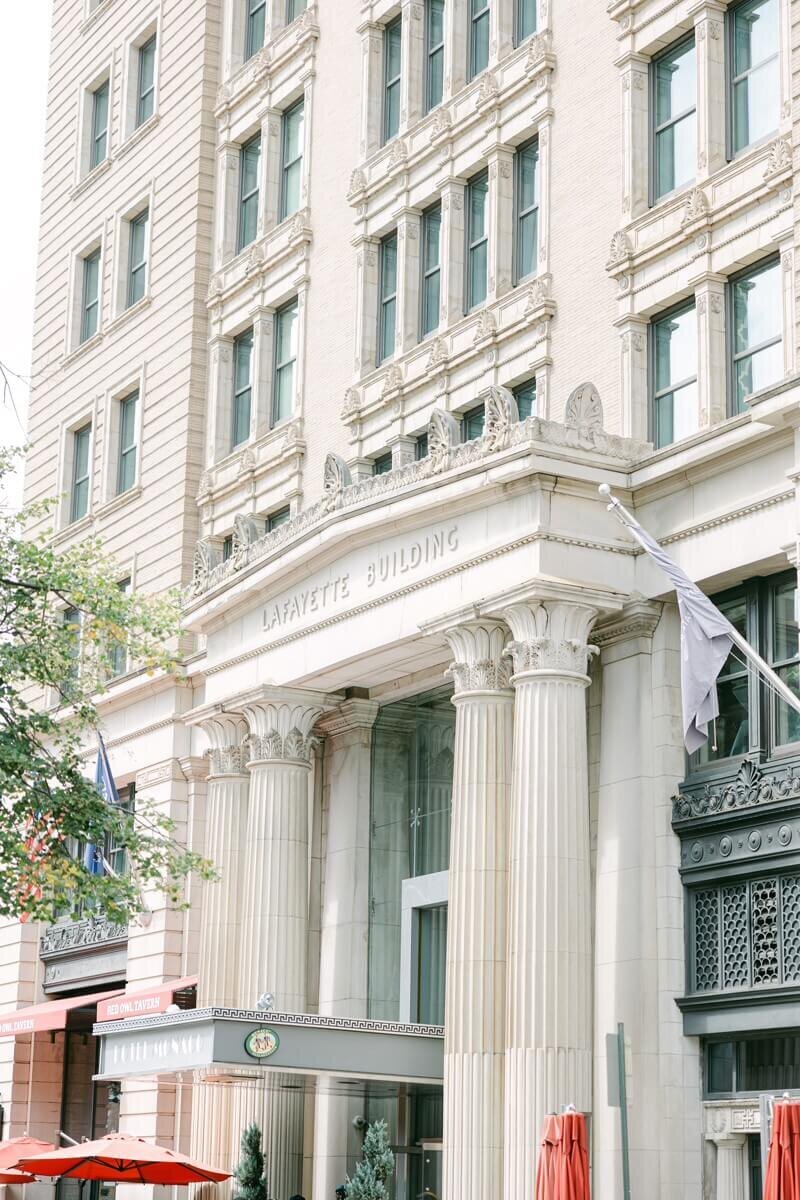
(696, 207)
(749, 789)
(779, 158)
(336, 477)
(620, 250)
(584, 408)
(502, 414)
(444, 433)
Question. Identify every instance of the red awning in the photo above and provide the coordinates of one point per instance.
(143, 1002)
(50, 1015)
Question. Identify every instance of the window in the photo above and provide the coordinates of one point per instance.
(118, 651)
(432, 956)
(673, 355)
(754, 1164)
(750, 716)
(91, 295)
(421, 447)
(754, 71)
(525, 20)
(242, 387)
(761, 1063)
(99, 146)
(249, 164)
(477, 240)
(756, 311)
(472, 423)
(137, 258)
(126, 463)
(388, 297)
(285, 359)
(79, 496)
(434, 53)
(145, 96)
(525, 396)
(478, 37)
(71, 618)
(431, 269)
(392, 36)
(382, 465)
(674, 109)
(279, 517)
(293, 10)
(291, 159)
(227, 547)
(526, 209)
(256, 21)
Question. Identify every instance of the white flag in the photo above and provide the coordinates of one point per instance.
(705, 642)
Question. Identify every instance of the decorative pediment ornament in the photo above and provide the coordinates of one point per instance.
(438, 354)
(444, 432)
(584, 408)
(538, 293)
(442, 122)
(206, 557)
(392, 380)
(246, 530)
(352, 404)
(488, 90)
(502, 414)
(204, 486)
(398, 154)
(336, 477)
(695, 208)
(247, 462)
(539, 46)
(749, 789)
(486, 326)
(779, 158)
(358, 182)
(224, 94)
(620, 250)
(255, 259)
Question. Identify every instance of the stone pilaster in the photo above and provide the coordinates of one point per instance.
(731, 1167)
(275, 879)
(549, 1009)
(709, 32)
(409, 225)
(711, 349)
(635, 133)
(453, 193)
(478, 897)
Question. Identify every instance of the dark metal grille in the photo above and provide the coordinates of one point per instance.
(746, 934)
(706, 949)
(736, 943)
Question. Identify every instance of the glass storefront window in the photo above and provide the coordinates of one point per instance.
(786, 658)
(753, 1065)
(432, 945)
(733, 682)
(412, 785)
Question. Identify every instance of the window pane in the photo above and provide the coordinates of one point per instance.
(431, 246)
(478, 255)
(477, 208)
(675, 350)
(676, 85)
(732, 729)
(382, 465)
(285, 356)
(719, 1067)
(526, 19)
(675, 119)
(242, 356)
(477, 275)
(147, 62)
(479, 38)
(293, 10)
(388, 267)
(431, 965)
(99, 125)
(126, 475)
(434, 34)
(757, 309)
(391, 79)
(473, 423)
(755, 34)
(292, 160)
(278, 518)
(525, 396)
(91, 306)
(421, 447)
(430, 303)
(80, 473)
(386, 348)
(249, 167)
(255, 26)
(676, 155)
(785, 647)
(137, 263)
(769, 1064)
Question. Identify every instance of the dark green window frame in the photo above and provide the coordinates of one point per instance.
(731, 1053)
(392, 76)
(242, 388)
(477, 250)
(735, 144)
(431, 270)
(526, 212)
(227, 547)
(382, 465)
(658, 393)
(81, 472)
(434, 53)
(90, 305)
(98, 151)
(387, 298)
(473, 422)
(421, 446)
(479, 19)
(292, 121)
(249, 186)
(525, 396)
(658, 129)
(293, 10)
(137, 258)
(277, 518)
(256, 18)
(146, 81)
(127, 451)
(284, 361)
(524, 20)
(735, 401)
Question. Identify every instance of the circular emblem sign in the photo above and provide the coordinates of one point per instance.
(261, 1043)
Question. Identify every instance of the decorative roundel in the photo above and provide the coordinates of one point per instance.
(696, 852)
(784, 835)
(725, 846)
(754, 840)
(261, 1043)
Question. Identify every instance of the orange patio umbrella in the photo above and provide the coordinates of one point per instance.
(562, 1172)
(546, 1173)
(9, 1175)
(12, 1150)
(783, 1164)
(117, 1158)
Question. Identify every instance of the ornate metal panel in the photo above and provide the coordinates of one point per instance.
(736, 941)
(746, 934)
(706, 946)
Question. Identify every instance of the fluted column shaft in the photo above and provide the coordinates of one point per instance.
(731, 1167)
(476, 938)
(549, 995)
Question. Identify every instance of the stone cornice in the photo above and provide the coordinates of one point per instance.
(751, 788)
(350, 715)
(638, 619)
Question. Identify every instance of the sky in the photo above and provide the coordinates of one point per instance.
(23, 97)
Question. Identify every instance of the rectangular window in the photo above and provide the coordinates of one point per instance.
(382, 465)
(526, 209)
(431, 269)
(478, 37)
(392, 52)
(785, 658)
(227, 547)
(145, 96)
(91, 295)
(732, 727)
(293, 10)
(388, 297)
(525, 396)
(432, 951)
(756, 322)
(477, 240)
(673, 346)
(137, 258)
(472, 423)
(421, 447)
(126, 465)
(434, 53)
(524, 20)
(242, 387)
(256, 22)
(118, 651)
(285, 360)
(71, 618)
(754, 71)
(279, 517)
(291, 159)
(79, 501)
(674, 119)
(249, 169)
(99, 146)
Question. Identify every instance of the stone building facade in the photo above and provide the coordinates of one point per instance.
(344, 312)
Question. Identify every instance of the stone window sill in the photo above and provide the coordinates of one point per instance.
(83, 348)
(95, 16)
(128, 314)
(91, 178)
(119, 501)
(136, 136)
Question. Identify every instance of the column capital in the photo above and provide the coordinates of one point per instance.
(480, 659)
(226, 731)
(729, 1141)
(550, 636)
(280, 721)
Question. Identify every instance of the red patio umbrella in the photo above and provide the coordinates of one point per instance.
(783, 1164)
(548, 1157)
(12, 1150)
(562, 1172)
(9, 1175)
(117, 1158)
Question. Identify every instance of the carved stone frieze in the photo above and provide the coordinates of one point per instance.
(78, 935)
(280, 724)
(750, 789)
(226, 733)
(549, 654)
(293, 747)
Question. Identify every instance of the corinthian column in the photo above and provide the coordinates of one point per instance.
(474, 1044)
(549, 1014)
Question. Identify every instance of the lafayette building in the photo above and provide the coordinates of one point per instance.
(344, 311)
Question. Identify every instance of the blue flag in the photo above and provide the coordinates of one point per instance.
(104, 782)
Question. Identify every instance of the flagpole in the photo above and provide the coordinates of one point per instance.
(624, 517)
